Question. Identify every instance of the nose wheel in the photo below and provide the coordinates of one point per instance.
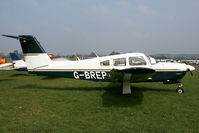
(179, 90)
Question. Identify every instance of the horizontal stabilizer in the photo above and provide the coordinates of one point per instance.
(15, 37)
(29, 43)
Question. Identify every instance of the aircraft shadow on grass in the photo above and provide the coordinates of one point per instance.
(28, 74)
(19, 74)
(1, 80)
(50, 77)
(112, 96)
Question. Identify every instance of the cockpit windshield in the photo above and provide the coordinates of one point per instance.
(151, 60)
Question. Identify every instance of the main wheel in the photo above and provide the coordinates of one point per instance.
(179, 90)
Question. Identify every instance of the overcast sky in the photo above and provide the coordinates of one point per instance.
(80, 26)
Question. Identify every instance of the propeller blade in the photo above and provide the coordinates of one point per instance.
(190, 72)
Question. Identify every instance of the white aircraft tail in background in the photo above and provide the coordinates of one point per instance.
(17, 64)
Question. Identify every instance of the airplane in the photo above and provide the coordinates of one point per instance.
(17, 64)
(124, 68)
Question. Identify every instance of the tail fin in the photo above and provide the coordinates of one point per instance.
(18, 63)
(14, 56)
(35, 56)
(29, 43)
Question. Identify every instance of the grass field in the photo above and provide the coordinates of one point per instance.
(40, 104)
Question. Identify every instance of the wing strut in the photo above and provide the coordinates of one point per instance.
(126, 84)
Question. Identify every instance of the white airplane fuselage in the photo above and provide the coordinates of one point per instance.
(94, 69)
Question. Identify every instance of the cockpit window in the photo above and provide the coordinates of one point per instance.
(119, 62)
(105, 63)
(137, 60)
(151, 60)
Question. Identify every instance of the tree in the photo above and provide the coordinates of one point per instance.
(114, 53)
(92, 54)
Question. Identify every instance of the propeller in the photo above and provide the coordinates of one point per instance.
(188, 70)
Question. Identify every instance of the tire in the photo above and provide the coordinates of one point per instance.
(179, 90)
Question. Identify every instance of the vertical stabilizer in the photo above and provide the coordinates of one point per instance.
(14, 56)
(34, 54)
(18, 63)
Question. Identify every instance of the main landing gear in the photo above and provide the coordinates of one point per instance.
(126, 84)
(179, 90)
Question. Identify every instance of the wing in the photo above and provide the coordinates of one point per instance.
(6, 66)
(138, 74)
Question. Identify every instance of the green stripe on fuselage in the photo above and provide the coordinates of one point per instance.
(167, 75)
(84, 75)
(105, 75)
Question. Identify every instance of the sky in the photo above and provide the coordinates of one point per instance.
(79, 26)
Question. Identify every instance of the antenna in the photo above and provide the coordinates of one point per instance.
(95, 53)
(77, 57)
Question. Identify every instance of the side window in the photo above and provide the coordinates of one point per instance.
(119, 62)
(105, 63)
(139, 60)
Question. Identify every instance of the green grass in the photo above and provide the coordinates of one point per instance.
(40, 104)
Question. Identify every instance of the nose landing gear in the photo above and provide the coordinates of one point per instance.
(179, 90)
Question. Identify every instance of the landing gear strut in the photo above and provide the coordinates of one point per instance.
(126, 84)
(179, 90)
